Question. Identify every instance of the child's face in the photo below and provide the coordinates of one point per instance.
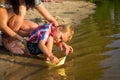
(59, 36)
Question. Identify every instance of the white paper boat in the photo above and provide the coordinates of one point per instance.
(61, 62)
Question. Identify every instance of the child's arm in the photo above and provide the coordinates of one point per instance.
(47, 52)
(63, 45)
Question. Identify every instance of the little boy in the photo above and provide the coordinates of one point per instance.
(41, 40)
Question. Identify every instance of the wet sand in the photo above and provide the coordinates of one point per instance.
(22, 67)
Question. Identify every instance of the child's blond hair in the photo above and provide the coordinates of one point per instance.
(69, 29)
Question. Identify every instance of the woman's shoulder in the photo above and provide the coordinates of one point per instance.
(4, 3)
(38, 2)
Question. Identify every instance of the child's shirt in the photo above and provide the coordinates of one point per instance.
(41, 33)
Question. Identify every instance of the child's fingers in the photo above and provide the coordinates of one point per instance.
(54, 60)
(61, 47)
(67, 51)
(71, 50)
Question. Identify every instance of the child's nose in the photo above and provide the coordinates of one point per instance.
(59, 40)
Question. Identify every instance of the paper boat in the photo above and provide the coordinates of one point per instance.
(61, 62)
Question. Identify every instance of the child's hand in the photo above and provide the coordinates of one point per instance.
(68, 49)
(54, 59)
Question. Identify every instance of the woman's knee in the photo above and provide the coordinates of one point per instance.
(28, 25)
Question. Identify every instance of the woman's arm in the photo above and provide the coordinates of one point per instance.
(4, 25)
(16, 20)
(10, 23)
(3, 22)
(44, 12)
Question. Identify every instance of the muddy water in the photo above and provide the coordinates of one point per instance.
(96, 54)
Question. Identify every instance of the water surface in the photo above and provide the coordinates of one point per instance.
(97, 44)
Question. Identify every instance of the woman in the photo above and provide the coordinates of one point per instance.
(13, 25)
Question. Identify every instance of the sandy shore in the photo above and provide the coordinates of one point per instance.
(13, 67)
(66, 12)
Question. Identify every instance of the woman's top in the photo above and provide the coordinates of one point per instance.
(7, 5)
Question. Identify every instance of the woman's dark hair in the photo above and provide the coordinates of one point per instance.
(16, 3)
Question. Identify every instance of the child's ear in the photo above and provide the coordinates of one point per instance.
(59, 29)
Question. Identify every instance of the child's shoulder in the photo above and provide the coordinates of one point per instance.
(45, 25)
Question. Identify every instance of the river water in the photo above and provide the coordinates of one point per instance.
(96, 46)
(96, 54)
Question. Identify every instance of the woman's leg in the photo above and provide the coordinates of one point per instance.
(27, 27)
(13, 45)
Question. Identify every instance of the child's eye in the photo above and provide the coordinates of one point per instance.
(61, 38)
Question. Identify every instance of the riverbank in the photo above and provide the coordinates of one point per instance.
(21, 67)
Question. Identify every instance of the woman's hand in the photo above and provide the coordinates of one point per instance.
(68, 49)
(55, 23)
(24, 42)
(45, 13)
(25, 47)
